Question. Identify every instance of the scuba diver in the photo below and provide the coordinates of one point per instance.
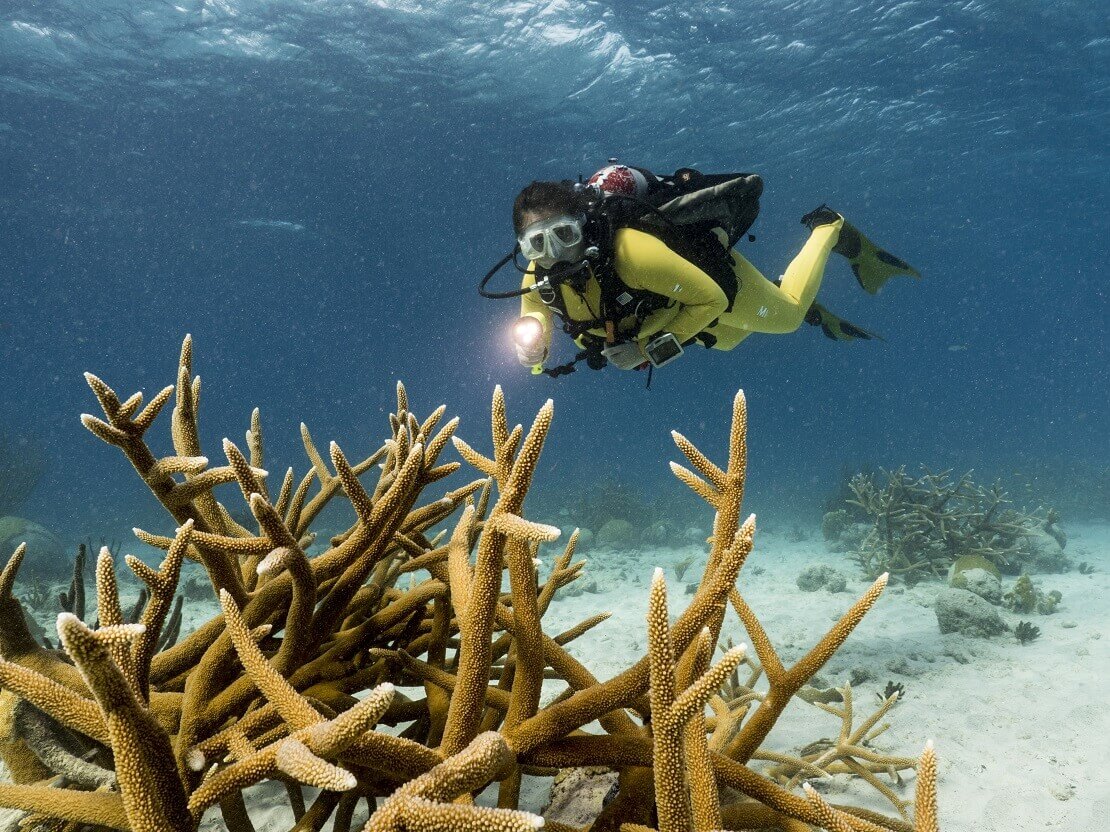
(639, 267)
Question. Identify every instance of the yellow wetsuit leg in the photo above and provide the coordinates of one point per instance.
(761, 306)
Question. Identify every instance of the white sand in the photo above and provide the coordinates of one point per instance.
(1021, 731)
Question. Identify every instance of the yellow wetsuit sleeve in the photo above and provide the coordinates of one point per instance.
(532, 306)
(644, 262)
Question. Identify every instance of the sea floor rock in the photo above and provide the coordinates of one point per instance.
(850, 537)
(616, 533)
(578, 795)
(46, 555)
(983, 583)
(834, 523)
(962, 611)
(1045, 554)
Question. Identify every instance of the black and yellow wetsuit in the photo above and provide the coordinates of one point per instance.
(697, 304)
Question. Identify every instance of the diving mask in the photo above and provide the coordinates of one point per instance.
(552, 240)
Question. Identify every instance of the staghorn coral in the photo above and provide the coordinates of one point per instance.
(293, 679)
(36, 594)
(73, 600)
(851, 752)
(921, 525)
(686, 792)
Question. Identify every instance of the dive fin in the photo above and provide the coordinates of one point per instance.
(871, 265)
(836, 327)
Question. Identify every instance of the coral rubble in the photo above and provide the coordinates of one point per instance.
(1025, 597)
(312, 654)
(819, 575)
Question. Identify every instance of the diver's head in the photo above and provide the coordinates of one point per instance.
(547, 220)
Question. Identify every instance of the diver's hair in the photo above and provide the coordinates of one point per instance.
(547, 198)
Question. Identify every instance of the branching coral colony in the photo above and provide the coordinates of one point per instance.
(292, 680)
(921, 525)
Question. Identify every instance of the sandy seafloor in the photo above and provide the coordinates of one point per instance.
(1021, 730)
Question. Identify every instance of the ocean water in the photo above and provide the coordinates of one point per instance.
(313, 188)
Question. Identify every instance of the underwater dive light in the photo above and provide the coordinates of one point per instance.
(527, 331)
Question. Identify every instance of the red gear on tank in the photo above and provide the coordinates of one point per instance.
(615, 179)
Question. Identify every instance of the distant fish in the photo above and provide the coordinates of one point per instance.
(958, 347)
(273, 225)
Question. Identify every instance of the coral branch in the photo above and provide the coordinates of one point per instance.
(308, 655)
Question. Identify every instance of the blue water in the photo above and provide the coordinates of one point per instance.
(314, 189)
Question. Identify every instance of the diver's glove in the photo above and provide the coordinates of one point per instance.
(531, 356)
(531, 349)
(626, 356)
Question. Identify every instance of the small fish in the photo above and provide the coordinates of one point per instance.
(273, 225)
(958, 347)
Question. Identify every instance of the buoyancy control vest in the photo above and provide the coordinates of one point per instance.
(698, 216)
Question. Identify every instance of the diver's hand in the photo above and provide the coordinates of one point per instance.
(531, 356)
(626, 356)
